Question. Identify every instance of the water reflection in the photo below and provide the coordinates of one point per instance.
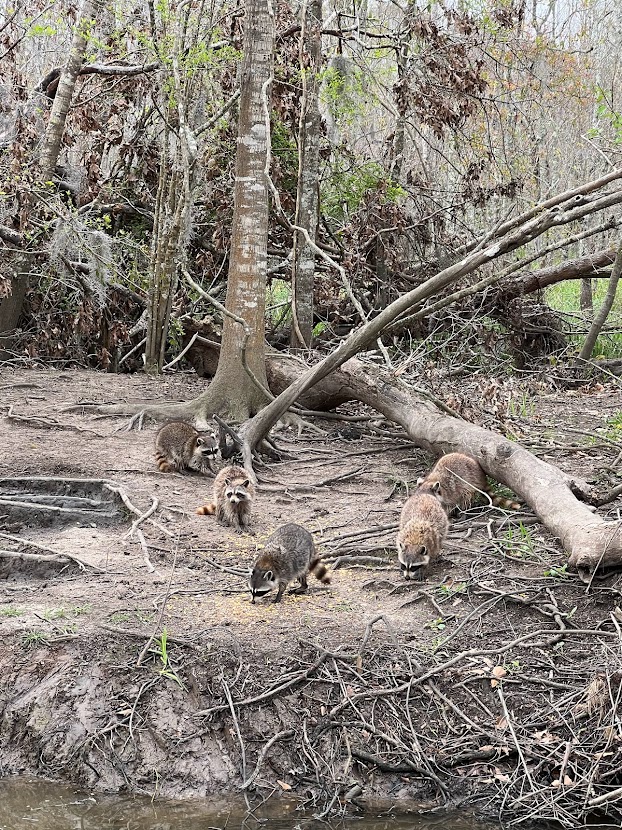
(27, 804)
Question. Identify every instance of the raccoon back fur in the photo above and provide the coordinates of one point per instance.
(179, 446)
(423, 526)
(289, 554)
(232, 498)
(456, 480)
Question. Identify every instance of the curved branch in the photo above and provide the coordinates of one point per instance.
(603, 312)
(575, 208)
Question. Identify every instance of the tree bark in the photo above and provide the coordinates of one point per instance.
(586, 297)
(572, 269)
(307, 204)
(232, 392)
(66, 85)
(174, 201)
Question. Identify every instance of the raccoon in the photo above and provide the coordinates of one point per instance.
(233, 498)
(456, 479)
(289, 554)
(179, 446)
(423, 526)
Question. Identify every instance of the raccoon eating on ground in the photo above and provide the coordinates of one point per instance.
(178, 446)
(423, 526)
(289, 554)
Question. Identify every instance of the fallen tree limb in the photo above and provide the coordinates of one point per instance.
(589, 541)
(573, 208)
(60, 558)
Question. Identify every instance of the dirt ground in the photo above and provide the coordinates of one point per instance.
(321, 696)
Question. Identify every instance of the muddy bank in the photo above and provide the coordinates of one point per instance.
(496, 679)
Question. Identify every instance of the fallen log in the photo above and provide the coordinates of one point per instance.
(589, 541)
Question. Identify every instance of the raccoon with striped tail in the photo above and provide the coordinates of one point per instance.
(456, 480)
(423, 527)
(178, 446)
(288, 554)
(233, 496)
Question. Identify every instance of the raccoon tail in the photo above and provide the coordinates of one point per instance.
(319, 571)
(163, 464)
(206, 510)
(502, 501)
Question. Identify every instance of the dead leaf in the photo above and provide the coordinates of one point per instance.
(283, 785)
(544, 738)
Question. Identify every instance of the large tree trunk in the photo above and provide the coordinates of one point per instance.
(307, 204)
(174, 199)
(232, 392)
(168, 249)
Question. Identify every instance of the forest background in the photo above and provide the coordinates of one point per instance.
(402, 138)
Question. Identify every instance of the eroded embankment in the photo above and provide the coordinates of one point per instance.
(330, 723)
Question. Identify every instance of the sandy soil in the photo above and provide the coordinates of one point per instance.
(77, 706)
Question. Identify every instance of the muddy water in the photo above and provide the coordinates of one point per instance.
(27, 804)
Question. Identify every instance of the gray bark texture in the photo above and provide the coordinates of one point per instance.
(246, 285)
(603, 312)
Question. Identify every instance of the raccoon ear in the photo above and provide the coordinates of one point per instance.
(436, 488)
(268, 576)
(424, 550)
(420, 481)
(200, 442)
(245, 483)
(400, 547)
(227, 482)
